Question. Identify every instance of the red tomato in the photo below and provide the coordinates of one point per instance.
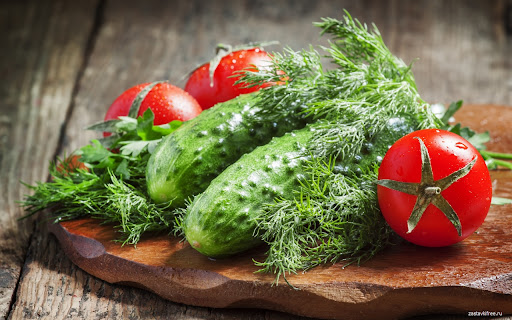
(224, 88)
(71, 164)
(451, 158)
(167, 102)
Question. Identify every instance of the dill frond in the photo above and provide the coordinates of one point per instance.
(334, 215)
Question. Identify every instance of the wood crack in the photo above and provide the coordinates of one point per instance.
(42, 75)
(89, 48)
(507, 18)
(18, 281)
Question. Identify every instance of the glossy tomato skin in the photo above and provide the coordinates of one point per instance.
(224, 88)
(167, 102)
(470, 196)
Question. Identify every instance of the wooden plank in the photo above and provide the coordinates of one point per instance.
(43, 45)
(154, 40)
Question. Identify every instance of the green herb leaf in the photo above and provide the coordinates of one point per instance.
(478, 140)
(134, 148)
(122, 170)
(95, 153)
(452, 109)
(126, 124)
(145, 127)
(168, 128)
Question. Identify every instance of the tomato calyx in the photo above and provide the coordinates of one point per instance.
(428, 190)
(137, 102)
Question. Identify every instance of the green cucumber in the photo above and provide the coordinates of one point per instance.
(185, 162)
(219, 222)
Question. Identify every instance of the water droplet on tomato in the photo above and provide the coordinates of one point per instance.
(461, 145)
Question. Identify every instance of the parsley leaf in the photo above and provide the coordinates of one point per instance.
(477, 139)
(113, 188)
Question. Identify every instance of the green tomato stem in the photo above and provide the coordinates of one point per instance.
(502, 163)
(495, 155)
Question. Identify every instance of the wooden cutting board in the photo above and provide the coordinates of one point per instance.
(405, 280)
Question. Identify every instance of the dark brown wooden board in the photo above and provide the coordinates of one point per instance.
(404, 280)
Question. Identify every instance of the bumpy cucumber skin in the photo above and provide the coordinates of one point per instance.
(373, 151)
(185, 162)
(219, 222)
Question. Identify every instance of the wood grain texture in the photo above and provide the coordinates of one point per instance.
(43, 46)
(405, 280)
(464, 49)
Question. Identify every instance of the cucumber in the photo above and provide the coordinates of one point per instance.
(185, 162)
(219, 222)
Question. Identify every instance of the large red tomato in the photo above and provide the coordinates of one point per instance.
(223, 88)
(167, 102)
(434, 188)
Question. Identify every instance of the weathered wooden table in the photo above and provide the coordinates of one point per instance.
(63, 62)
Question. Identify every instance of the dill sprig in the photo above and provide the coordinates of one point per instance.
(334, 214)
(112, 186)
(334, 217)
(81, 193)
(365, 115)
(354, 45)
